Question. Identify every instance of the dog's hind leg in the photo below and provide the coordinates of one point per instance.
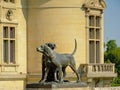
(74, 69)
(64, 72)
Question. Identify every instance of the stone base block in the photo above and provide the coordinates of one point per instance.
(57, 86)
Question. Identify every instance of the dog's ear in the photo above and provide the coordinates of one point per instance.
(51, 45)
(48, 44)
(54, 45)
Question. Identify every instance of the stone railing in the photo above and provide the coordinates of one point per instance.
(106, 88)
(97, 70)
(101, 67)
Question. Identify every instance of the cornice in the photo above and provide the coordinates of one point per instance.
(12, 76)
(3, 21)
(95, 4)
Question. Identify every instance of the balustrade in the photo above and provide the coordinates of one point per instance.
(96, 69)
(102, 67)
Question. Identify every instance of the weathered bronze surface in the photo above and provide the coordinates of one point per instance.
(54, 64)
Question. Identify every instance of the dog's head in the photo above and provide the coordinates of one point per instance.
(45, 50)
(51, 45)
(41, 49)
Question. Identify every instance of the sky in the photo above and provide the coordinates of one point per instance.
(112, 21)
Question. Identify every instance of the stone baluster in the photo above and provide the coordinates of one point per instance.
(90, 68)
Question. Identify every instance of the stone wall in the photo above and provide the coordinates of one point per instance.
(12, 85)
(107, 88)
(58, 22)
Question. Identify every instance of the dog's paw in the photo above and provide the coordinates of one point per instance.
(77, 81)
(61, 82)
(41, 82)
(57, 81)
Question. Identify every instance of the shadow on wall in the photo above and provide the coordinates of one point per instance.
(25, 3)
(36, 2)
(41, 2)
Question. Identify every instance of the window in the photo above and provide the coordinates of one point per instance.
(6, 0)
(97, 21)
(9, 45)
(94, 39)
(91, 51)
(12, 1)
(91, 20)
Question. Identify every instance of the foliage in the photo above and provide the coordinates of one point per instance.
(112, 55)
(111, 45)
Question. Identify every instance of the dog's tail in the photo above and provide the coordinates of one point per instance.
(74, 48)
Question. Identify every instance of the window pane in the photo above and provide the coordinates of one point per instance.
(5, 32)
(91, 20)
(97, 21)
(5, 51)
(97, 52)
(91, 33)
(12, 32)
(12, 51)
(91, 52)
(12, 1)
(6, 0)
(97, 34)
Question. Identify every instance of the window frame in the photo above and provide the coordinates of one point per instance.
(10, 40)
(94, 35)
(9, 1)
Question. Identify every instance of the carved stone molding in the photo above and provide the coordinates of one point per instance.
(9, 15)
(95, 4)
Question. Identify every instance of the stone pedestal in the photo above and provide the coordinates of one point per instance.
(56, 86)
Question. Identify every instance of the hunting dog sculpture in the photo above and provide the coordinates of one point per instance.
(58, 61)
(51, 72)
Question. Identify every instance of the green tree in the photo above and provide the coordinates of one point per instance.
(112, 55)
(111, 45)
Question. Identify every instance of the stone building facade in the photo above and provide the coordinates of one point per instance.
(26, 24)
(13, 44)
(63, 21)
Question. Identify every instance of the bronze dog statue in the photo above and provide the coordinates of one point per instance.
(44, 59)
(58, 61)
(52, 76)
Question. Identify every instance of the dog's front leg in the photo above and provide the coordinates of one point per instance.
(55, 75)
(45, 77)
(60, 74)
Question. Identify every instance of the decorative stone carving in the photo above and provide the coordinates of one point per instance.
(9, 15)
(94, 3)
(99, 4)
